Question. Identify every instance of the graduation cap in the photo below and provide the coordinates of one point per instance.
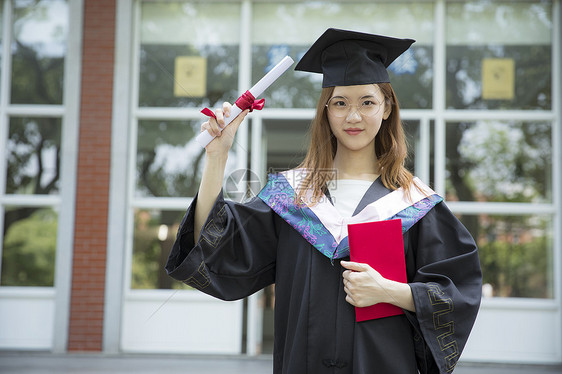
(348, 58)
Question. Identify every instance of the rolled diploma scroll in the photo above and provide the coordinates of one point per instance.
(205, 137)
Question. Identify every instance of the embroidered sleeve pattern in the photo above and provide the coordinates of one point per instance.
(199, 279)
(443, 325)
(214, 229)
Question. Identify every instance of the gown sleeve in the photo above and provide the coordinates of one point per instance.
(446, 287)
(236, 251)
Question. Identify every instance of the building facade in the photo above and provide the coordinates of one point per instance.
(99, 107)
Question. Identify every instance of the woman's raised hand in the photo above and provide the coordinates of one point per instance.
(224, 139)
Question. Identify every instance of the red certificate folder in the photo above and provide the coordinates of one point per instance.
(380, 245)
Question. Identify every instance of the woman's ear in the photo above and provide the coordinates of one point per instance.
(387, 109)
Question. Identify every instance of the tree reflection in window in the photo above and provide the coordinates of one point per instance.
(515, 253)
(169, 164)
(156, 76)
(28, 252)
(532, 76)
(155, 232)
(499, 161)
(38, 49)
(520, 31)
(33, 153)
(169, 160)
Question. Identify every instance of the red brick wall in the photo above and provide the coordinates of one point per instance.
(92, 194)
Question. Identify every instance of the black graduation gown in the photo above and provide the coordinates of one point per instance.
(246, 247)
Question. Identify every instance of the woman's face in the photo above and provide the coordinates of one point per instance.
(355, 114)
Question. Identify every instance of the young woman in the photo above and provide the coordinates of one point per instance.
(294, 234)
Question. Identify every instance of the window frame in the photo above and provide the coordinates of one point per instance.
(64, 200)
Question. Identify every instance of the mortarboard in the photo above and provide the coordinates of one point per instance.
(348, 58)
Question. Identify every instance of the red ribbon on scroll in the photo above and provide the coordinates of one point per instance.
(246, 101)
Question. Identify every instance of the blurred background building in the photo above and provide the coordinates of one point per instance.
(99, 105)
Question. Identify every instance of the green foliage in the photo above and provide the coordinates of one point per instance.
(37, 69)
(151, 252)
(514, 254)
(145, 265)
(505, 161)
(33, 146)
(28, 255)
(517, 270)
(36, 80)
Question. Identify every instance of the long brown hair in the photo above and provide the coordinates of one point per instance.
(390, 149)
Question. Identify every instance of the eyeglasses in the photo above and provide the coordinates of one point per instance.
(339, 106)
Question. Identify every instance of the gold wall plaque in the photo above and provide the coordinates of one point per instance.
(498, 79)
(190, 76)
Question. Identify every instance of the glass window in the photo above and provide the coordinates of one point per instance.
(412, 132)
(28, 252)
(33, 153)
(515, 254)
(499, 55)
(500, 161)
(39, 45)
(155, 232)
(285, 143)
(169, 159)
(189, 54)
(415, 160)
(290, 28)
(1, 39)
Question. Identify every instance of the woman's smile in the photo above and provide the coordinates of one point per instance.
(353, 131)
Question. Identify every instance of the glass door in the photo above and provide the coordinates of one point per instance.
(185, 57)
(37, 126)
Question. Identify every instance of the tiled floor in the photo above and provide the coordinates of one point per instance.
(44, 363)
